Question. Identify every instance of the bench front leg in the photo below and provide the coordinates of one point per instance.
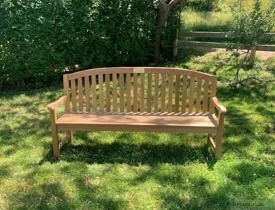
(219, 136)
(55, 141)
(221, 112)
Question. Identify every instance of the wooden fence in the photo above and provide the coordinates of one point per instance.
(181, 42)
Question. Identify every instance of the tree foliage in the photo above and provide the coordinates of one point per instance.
(247, 30)
(248, 27)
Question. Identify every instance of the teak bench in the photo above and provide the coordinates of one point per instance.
(139, 99)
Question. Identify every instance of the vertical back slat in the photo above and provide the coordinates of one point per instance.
(170, 93)
(205, 95)
(177, 94)
(142, 77)
(149, 93)
(184, 95)
(128, 87)
(101, 96)
(191, 98)
(213, 93)
(121, 93)
(94, 93)
(66, 92)
(156, 94)
(80, 94)
(87, 93)
(135, 93)
(114, 92)
(107, 82)
(163, 89)
(73, 95)
(198, 100)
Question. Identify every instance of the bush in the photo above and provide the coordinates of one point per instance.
(39, 40)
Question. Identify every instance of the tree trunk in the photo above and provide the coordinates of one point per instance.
(209, 5)
(163, 13)
(253, 55)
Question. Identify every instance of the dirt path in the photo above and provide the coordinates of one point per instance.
(261, 54)
(265, 54)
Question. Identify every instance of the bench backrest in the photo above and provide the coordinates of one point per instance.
(139, 89)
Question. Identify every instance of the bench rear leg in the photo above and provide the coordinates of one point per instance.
(215, 145)
(69, 135)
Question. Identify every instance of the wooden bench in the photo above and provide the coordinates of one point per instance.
(150, 99)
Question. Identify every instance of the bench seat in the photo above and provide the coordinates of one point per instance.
(138, 122)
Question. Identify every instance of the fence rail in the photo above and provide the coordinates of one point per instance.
(180, 42)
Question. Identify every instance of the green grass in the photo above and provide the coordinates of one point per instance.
(205, 21)
(121, 170)
(217, 20)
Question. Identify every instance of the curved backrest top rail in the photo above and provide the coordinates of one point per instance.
(110, 70)
(139, 89)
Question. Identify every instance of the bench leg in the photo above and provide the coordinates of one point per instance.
(69, 135)
(211, 142)
(219, 143)
(215, 145)
(56, 151)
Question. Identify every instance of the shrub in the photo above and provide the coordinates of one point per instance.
(39, 40)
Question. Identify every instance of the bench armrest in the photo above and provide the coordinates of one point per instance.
(54, 105)
(221, 109)
(218, 105)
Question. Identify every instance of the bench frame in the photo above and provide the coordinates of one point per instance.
(214, 104)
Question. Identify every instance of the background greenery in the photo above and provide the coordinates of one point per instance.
(39, 40)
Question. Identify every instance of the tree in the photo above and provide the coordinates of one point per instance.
(248, 28)
(164, 9)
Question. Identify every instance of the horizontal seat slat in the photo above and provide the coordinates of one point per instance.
(120, 121)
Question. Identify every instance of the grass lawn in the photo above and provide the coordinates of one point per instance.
(120, 170)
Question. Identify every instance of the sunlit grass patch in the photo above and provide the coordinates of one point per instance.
(217, 20)
(205, 21)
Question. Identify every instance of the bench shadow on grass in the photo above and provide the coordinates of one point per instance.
(134, 153)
